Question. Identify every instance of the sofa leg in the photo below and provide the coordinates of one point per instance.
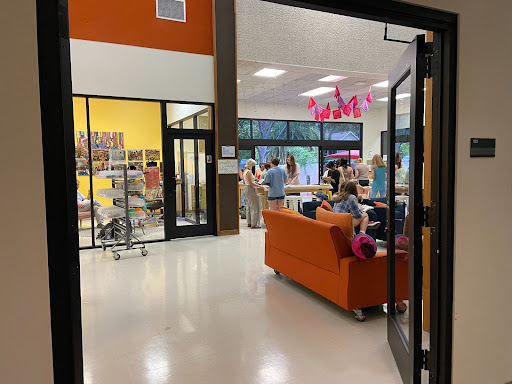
(401, 307)
(359, 315)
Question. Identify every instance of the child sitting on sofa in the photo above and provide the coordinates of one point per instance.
(346, 202)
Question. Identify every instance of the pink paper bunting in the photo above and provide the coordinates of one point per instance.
(347, 109)
(317, 109)
(369, 97)
(311, 103)
(336, 93)
(313, 112)
(365, 106)
(326, 113)
(357, 112)
(317, 117)
(336, 114)
(341, 103)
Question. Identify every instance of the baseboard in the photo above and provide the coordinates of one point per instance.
(228, 232)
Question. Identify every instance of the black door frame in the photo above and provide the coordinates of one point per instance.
(172, 231)
(59, 167)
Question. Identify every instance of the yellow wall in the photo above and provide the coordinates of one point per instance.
(138, 120)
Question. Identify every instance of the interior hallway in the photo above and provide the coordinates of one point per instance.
(208, 310)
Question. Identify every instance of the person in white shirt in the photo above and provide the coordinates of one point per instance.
(292, 170)
(84, 204)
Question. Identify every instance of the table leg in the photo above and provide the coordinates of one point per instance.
(266, 199)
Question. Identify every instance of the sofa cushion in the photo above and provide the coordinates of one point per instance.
(325, 205)
(289, 211)
(379, 204)
(364, 246)
(342, 220)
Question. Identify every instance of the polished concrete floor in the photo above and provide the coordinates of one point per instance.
(208, 310)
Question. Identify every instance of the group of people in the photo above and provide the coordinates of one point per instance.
(341, 171)
(272, 177)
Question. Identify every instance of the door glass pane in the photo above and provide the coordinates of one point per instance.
(180, 212)
(188, 116)
(401, 201)
(190, 212)
(203, 209)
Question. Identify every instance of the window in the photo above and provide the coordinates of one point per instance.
(269, 129)
(171, 10)
(244, 129)
(304, 130)
(342, 131)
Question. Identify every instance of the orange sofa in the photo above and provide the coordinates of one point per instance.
(318, 256)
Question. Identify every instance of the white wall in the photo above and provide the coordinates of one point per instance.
(25, 334)
(374, 121)
(482, 349)
(121, 70)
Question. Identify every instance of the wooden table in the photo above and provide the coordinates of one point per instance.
(322, 188)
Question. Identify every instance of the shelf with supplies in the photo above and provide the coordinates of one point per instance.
(118, 234)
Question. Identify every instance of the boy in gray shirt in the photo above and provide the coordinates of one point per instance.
(275, 179)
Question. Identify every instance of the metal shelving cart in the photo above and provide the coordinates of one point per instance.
(121, 213)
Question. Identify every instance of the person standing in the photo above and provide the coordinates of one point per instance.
(275, 180)
(333, 177)
(379, 177)
(252, 203)
(259, 171)
(292, 170)
(346, 171)
(399, 169)
(84, 204)
(362, 173)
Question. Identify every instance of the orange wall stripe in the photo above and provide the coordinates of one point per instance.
(134, 22)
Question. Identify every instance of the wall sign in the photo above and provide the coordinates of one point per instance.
(483, 147)
(228, 167)
(228, 151)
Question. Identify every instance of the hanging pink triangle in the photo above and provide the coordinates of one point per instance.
(365, 106)
(318, 109)
(311, 103)
(369, 96)
(336, 93)
(341, 103)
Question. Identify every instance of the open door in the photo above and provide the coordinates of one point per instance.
(405, 204)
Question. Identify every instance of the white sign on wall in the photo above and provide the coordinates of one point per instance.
(228, 166)
(228, 151)
(370, 154)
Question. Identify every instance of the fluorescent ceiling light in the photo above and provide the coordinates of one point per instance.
(398, 97)
(318, 91)
(268, 72)
(332, 78)
(382, 84)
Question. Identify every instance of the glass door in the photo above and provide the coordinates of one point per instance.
(190, 184)
(405, 203)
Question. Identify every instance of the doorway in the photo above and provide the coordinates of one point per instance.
(64, 286)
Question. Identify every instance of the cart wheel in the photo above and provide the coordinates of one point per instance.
(144, 252)
(117, 256)
(277, 272)
(104, 247)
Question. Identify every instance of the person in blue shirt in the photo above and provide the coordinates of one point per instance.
(275, 180)
(379, 177)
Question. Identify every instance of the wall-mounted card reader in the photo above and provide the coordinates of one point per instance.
(483, 148)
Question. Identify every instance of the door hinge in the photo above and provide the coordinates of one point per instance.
(424, 359)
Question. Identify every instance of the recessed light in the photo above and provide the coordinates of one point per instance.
(318, 91)
(398, 97)
(382, 84)
(332, 78)
(362, 82)
(269, 72)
